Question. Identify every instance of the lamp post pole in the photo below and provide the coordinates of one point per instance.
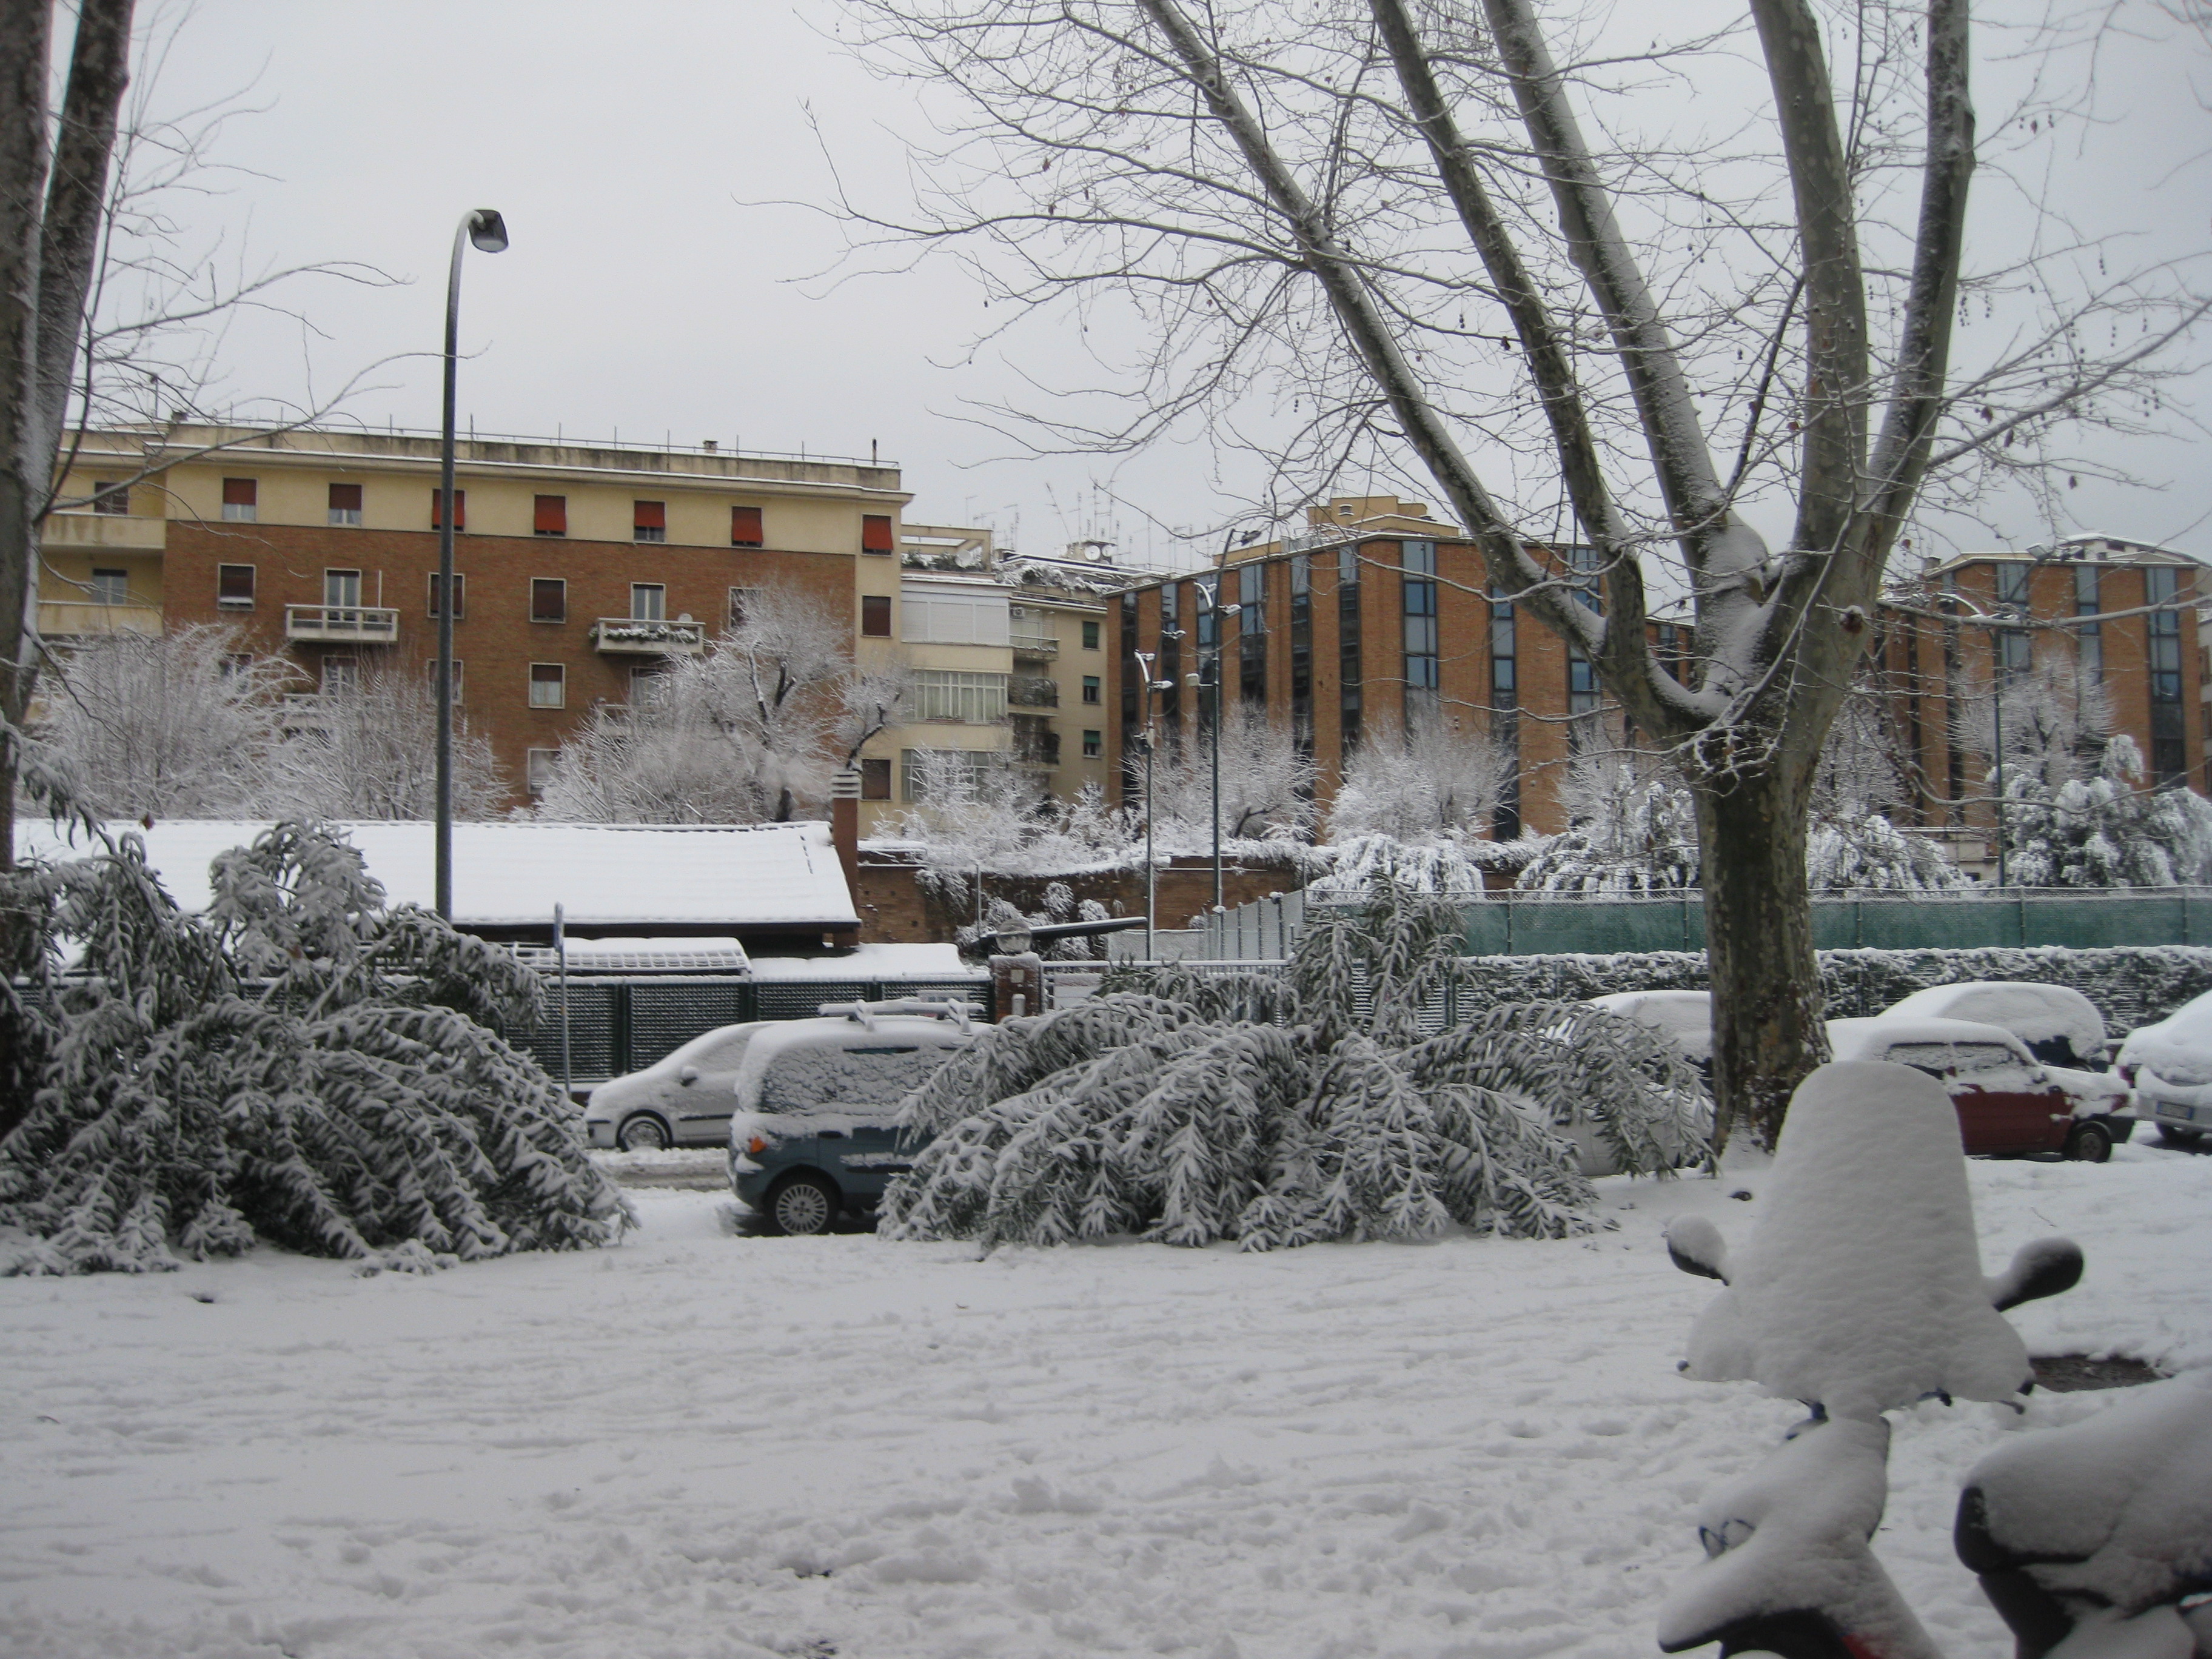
(1220, 577)
(1997, 710)
(488, 231)
(1143, 660)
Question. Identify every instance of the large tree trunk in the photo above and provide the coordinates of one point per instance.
(1768, 1031)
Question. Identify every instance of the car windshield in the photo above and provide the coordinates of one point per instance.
(1983, 1056)
(1933, 1058)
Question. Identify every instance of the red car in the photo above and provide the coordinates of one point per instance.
(2009, 1101)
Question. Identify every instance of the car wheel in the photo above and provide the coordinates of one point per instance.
(802, 1205)
(642, 1134)
(2089, 1143)
(2184, 1141)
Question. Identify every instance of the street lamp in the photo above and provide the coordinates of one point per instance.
(1220, 612)
(488, 231)
(1145, 660)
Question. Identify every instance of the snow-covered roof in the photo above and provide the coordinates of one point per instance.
(512, 873)
(647, 955)
(1870, 1039)
(872, 962)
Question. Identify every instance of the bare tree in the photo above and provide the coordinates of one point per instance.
(1436, 783)
(182, 725)
(745, 734)
(369, 751)
(1404, 223)
(1266, 783)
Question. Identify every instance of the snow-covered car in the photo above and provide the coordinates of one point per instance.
(1684, 1018)
(2009, 1102)
(2060, 1026)
(2169, 1065)
(813, 1136)
(682, 1099)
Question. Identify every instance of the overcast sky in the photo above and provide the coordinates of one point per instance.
(644, 297)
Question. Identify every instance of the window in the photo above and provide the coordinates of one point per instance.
(875, 780)
(549, 599)
(237, 662)
(920, 762)
(2161, 587)
(109, 587)
(538, 765)
(1090, 688)
(345, 503)
(1302, 715)
(549, 686)
(549, 516)
(931, 615)
(648, 522)
(1094, 745)
(233, 586)
(341, 675)
(111, 495)
(430, 676)
(460, 509)
(1350, 671)
(460, 594)
(2089, 638)
(941, 694)
(2012, 584)
(648, 602)
(1090, 636)
(876, 616)
(240, 500)
(741, 599)
(1419, 561)
(342, 588)
(876, 533)
(1252, 633)
(745, 531)
(648, 687)
(1505, 714)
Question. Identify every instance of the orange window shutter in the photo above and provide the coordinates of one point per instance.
(745, 527)
(460, 509)
(238, 492)
(875, 532)
(551, 518)
(650, 515)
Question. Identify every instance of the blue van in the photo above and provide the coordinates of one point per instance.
(812, 1138)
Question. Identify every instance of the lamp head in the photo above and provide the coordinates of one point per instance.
(488, 231)
(1014, 941)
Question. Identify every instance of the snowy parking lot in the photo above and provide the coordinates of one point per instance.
(704, 1443)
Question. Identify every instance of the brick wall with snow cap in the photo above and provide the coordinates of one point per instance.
(1862, 1287)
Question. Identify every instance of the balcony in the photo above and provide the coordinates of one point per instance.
(341, 624)
(112, 532)
(1035, 745)
(1032, 691)
(643, 636)
(1035, 645)
(305, 711)
(79, 619)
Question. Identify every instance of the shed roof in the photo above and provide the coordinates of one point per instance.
(635, 877)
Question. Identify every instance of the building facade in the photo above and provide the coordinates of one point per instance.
(1376, 612)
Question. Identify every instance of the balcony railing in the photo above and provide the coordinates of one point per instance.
(348, 624)
(66, 619)
(1024, 691)
(649, 637)
(1035, 645)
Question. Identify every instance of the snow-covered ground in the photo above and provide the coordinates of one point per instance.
(707, 1444)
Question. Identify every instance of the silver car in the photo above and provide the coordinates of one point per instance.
(2170, 1064)
(683, 1099)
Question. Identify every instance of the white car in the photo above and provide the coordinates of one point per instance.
(2060, 1026)
(682, 1099)
(2169, 1063)
(1684, 1018)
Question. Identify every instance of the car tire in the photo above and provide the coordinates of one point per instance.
(2184, 1141)
(643, 1133)
(2089, 1143)
(801, 1206)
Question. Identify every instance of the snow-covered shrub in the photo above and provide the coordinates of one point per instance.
(1280, 1109)
(1435, 782)
(1456, 867)
(1873, 853)
(2104, 830)
(302, 1065)
(1633, 828)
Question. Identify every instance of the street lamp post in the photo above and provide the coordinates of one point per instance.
(1220, 612)
(484, 229)
(1145, 661)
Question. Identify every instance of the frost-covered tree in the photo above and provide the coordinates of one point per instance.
(2105, 829)
(742, 734)
(1281, 1110)
(1435, 782)
(166, 726)
(300, 1064)
(369, 750)
(1632, 827)
(1874, 854)
(1267, 784)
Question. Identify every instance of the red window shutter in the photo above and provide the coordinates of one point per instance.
(551, 518)
(875, 532)
(460, 509)
(345, 498)
(649, 515)
(876, 616)
(745, 529)
(239, 492)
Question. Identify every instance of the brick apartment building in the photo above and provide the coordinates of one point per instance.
(1377, 607)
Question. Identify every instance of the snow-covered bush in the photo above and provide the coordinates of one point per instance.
(1872, 853)
(300, 1064)
(2104, 829)
(1280, 1109)
(1633, 828)
(1434, 783)
(1456, 867)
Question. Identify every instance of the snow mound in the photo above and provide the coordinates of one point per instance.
(1861, 1288)
(2115, 1510)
